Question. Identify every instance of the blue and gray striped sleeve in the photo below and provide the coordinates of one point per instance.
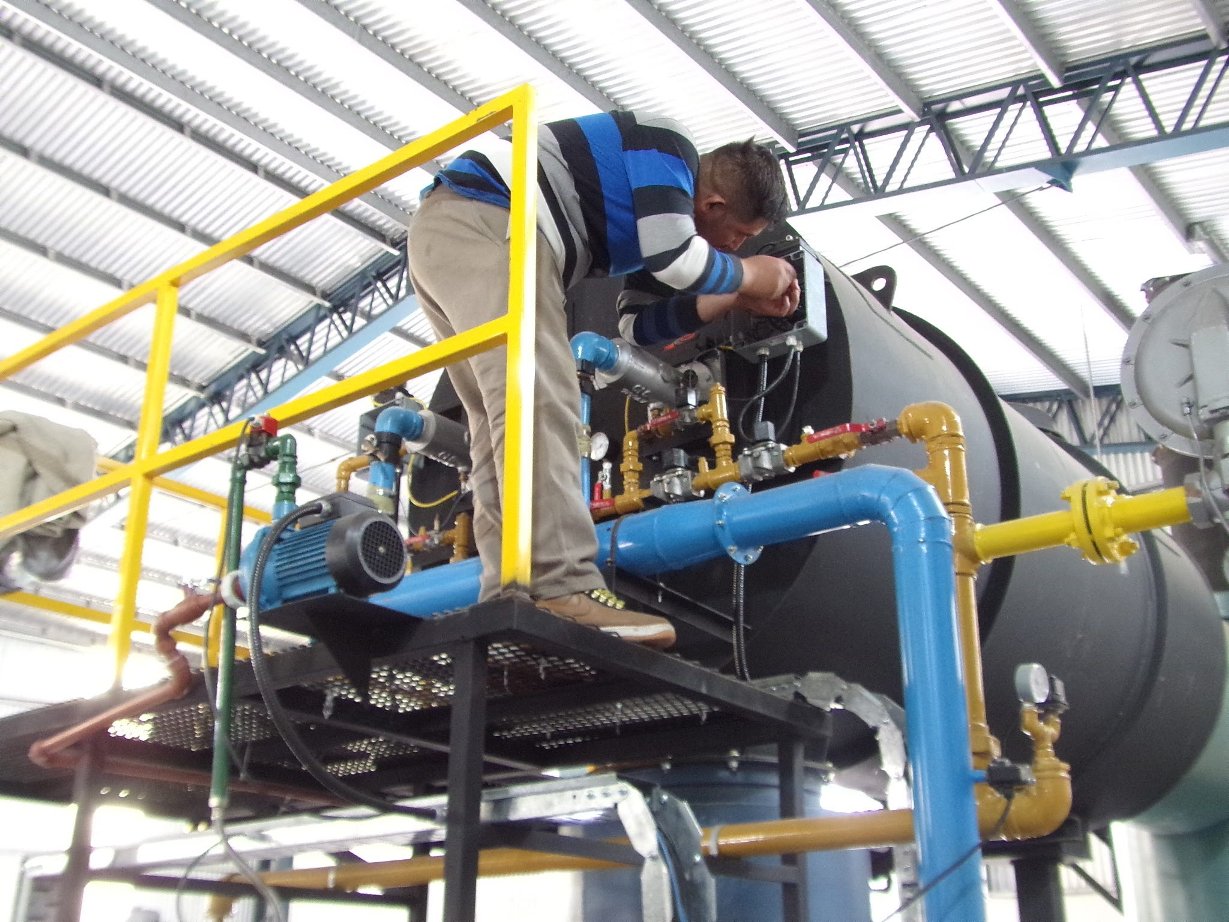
(649, 313)
(662, 164)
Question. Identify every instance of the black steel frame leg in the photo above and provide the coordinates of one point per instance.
(1039, 889)
(77, 870)
(792, 770)
(466, 739)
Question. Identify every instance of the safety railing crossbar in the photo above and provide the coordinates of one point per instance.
(514, 330)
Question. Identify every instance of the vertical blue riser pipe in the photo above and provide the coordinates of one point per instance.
(586, 410)
(674, 537)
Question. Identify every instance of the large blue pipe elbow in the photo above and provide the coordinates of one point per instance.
(597, 350)
(674, 537)
(401, 421)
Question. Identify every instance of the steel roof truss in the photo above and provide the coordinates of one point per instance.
(1091, 145)
(377, 289)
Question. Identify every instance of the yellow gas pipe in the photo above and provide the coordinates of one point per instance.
(806, 451)
(1097, 524)
(461, 536)
(349, 466)
(772, 837)
(937, 427)
(633, 496)
(1042, 807)
(724, 468)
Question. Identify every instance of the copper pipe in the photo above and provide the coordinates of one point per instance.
(62, 751)
(44, 751)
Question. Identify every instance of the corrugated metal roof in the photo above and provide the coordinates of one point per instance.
(941, 48)
(810, 77)
(1083, 30)
(1199, 184)
(643, 70)
(455, 46)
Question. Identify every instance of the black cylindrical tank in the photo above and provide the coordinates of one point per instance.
(1138, 645)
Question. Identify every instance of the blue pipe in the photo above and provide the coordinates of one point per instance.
(401, 421)
(586, 474)
(431, 592)
(597, 350)
(674, 537)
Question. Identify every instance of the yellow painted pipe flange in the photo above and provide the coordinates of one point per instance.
(1094, 531)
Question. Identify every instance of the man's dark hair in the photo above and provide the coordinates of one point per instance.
(749, 177)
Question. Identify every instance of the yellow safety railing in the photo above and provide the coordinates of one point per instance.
(514, 330)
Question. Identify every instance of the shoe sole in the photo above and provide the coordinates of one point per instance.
(645, 636)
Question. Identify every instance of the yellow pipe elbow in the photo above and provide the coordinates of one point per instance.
(1042, 807)
(349, 466)
(1036, 811)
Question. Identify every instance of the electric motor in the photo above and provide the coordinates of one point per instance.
(349, 547)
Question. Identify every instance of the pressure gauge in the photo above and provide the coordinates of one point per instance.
(599, 444)
(1032, 683)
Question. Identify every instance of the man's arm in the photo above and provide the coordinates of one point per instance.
(650, 313)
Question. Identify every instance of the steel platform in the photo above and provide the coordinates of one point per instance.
(496, 693)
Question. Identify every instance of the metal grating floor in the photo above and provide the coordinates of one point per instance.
(556, 694)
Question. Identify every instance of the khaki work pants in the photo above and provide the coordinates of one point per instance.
(458, 253)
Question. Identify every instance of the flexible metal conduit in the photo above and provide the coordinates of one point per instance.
(674, 537)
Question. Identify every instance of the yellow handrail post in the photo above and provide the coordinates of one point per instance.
(213, 637)
(468, 126)
(515, 330)
(149, 433)
(516, 555)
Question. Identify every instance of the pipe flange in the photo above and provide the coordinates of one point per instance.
(1095, 534)
(721, 497)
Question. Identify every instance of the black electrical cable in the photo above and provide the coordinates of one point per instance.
(951, 868)
(793, 398)
(281, 720)
(764, 392)
(761, 386)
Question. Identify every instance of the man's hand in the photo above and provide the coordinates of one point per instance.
(783, 306)
(767, 277)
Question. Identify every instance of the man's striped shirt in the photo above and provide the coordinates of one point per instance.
(616, 195)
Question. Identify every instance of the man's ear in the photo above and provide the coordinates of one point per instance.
(709, 202)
